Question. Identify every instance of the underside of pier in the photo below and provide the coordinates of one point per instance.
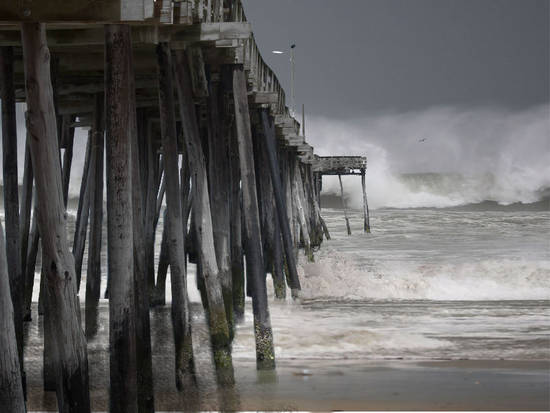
(179, 102)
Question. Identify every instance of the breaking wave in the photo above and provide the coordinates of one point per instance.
(386, 189)
(339, 276)
(475, 155)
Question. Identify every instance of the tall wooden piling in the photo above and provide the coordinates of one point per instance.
(344, 204)
(68, 143)
(25, 211)
(366, 217)
(82, 213)
(159, 297)
(144, 353)
(265, 353)
(219, 330)
(237, 263)
(235, 196)
(181, 322)
(281, 207)
(11, 193)
(72, 378)
(151, 212)
(122, 338)
(30, 260)
(298, 192)
(93, 276)
(220, 185)
(11, 387)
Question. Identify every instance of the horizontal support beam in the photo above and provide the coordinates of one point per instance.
(84, 35)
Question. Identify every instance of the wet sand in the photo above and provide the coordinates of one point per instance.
(306, 384)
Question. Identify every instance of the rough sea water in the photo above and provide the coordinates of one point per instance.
(470, 282)
(466, 282)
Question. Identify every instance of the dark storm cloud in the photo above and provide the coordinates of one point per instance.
(373, 56)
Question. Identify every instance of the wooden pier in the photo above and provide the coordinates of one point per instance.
(344, 165)
(179, 102)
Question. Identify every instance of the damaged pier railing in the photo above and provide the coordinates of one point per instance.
(177, 97)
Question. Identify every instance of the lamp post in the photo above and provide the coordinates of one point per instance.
(292, 67)
(292, 77)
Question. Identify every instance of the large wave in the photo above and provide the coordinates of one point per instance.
(339, 276)
(467, 157)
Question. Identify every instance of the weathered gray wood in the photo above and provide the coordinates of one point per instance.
(72, 378)
(220, 185)
(265, 353)
(82, 214)
(144, 355)
(93, 275)
(118, 122)
(151, 212)
(298, 192)
(30, 266)
(159, 297)
(181, 323)
(50, 356)
(344, 204)
(366, 217)
(68, 141)
(325, 228)
(277, 272)
(11, 193)
(24, 227)
(219, 330)
(11, 387)
(237, 264)
(282, 216)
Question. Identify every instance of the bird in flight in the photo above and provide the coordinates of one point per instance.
(422, 140)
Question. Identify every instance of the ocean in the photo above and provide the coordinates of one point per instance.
(466, 282)
(461, 284)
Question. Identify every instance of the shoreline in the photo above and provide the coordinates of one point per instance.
(321, 385)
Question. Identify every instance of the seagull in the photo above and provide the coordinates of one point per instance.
(422, 140)
(277, 52)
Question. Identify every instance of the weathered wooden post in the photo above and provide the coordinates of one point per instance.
(278, 191)
(122, 337)
(344, 204)
(93, 278)
(220, 186)
(82, 214)
(11, 193)
(219, 330)
(265, 353)
(366, 218)
(30, 260)
(159, 297)
(72, 382)
(236, 242)
(181, 322)
(298, 191)
(151, 212)
(11, 387)
(68, 142)
(144, 354)
(277, 272)
(24, 227)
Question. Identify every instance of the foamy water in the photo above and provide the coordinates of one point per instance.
(425, 284)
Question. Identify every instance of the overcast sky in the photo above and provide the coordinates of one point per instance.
(359, 57)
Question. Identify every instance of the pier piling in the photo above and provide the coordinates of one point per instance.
(178, 103)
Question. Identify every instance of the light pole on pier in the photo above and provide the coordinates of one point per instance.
(292, 78)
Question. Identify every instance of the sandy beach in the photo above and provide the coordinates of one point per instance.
(313, 384)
